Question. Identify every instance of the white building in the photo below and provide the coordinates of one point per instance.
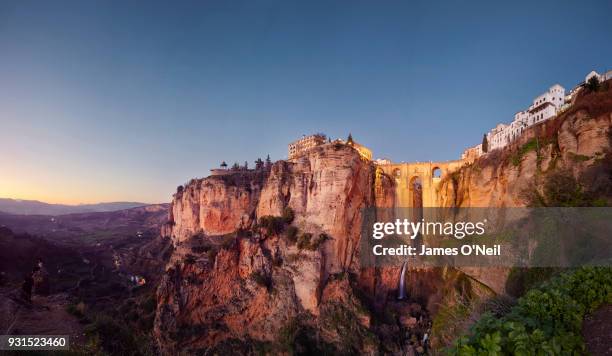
(496, 138)
(543, 107)
(601, 77)
(546, 105)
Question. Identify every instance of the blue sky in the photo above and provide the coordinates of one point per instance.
(116, 100)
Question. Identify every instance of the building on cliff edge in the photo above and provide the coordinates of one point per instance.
(545, 106)
(304, 144)
(301, 146)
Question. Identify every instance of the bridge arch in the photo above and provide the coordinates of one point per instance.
(437, 172)
(397, 173)
(430, 175)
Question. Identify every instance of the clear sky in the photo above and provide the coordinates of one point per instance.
(125, 100)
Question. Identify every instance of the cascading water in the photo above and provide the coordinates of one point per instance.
(402, 288)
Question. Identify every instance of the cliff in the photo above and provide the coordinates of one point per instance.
(241, 281)
(267, 260)
(575, 143)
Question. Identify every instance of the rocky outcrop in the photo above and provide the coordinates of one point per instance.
(236, 282)
(260, 281)
(577, 141)
(215, 205)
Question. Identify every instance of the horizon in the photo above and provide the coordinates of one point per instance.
(117, 102)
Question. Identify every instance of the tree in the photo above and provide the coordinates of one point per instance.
(593, 83)
(235, 166)
(246, 165)
(223, 165)
(349, 140)
(485, 144)
(268, 162)
(259, 164)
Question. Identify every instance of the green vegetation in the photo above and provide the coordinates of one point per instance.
(288, 215)
(273, 224)
(297, 337)
(579, 158)
(522, 279)
(343, 321)
(190, 259)
(262, 279)
(531, 145)
(485, 143)
(292, 234)
(316, 243)
(547, 320)
(560, 189)
(303, 241)
(593, 84)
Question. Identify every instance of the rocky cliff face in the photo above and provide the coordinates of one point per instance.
(238, 282)
(241, 281)
(576, 142)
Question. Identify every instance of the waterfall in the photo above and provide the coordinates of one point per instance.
(402, 288)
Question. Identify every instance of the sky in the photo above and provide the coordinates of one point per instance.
(125, 100)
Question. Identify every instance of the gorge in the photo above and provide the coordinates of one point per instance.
(268, 260)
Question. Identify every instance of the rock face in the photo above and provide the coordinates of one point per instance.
(214, 206)
(235, 283)
(258, 282)
(577, 142)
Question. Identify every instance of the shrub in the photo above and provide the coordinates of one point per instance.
(531, 145)
(304, 240)
(560, 189)
(593, 84)
(77, 310)
(200, 249)
(316, 243)
(115, 337)
(288, 215)
(547, 320)
(262, 279)
(149, 304)
(291, 233)
(190, 259)
(273, 224)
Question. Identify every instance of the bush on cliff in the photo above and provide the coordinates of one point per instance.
(262, 279)
(291, 233)
(560, 189)
(317, 242)
(304, 240)
(273, 224)
(547, 320)
(288, 215)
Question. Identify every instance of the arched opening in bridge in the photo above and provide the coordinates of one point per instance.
(436, 172)
(397, 173)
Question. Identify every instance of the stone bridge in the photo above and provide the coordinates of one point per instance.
(428, 174)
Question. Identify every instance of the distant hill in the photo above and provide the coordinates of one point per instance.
(35, 207)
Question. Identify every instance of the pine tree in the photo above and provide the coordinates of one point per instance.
(235, 166)
(485, 144)
(349, 140)
(593, 84)
(246, 165)
(259, 164)
(223, 165)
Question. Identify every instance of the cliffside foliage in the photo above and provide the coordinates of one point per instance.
(561, 189)
(547, 320)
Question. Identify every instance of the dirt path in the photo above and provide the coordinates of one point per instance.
(597, 331)
(44, 316)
